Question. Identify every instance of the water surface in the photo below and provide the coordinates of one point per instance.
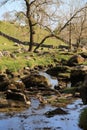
(35, 119)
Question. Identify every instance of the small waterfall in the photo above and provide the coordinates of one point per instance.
(52, 80)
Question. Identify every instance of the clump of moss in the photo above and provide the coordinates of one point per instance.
(83, 119)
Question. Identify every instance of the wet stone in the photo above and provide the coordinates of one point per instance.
(57, 111)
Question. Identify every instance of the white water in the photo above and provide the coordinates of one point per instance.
(52, 81)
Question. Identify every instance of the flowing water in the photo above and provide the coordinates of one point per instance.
(34, 118)
(52, 80)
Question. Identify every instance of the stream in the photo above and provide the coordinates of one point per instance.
(35, 119)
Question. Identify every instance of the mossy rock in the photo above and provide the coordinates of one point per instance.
(83, 119)
(36, 80)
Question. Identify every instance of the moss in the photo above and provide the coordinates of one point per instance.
(83, 119)
(71, 90)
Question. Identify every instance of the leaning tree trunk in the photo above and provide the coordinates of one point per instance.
(39, 45)
(49, 36)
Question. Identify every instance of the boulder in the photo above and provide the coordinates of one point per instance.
(35, 80)
(6, 53)
(83, 91)
(78, 74)
(16, 44)
(12, 86)
(3, 103)
(9, 72)
(26, 71)
(39, 67)
(12, 55)
(16, 86)
(75, 60)
(4, 82)
(84, 54)
(17, 96)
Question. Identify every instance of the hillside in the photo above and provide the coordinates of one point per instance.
(22, 33)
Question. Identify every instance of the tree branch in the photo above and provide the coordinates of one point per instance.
(48, 36)
(72, 18)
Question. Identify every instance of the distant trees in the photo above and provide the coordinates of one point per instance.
(76, 28)
(7, 16)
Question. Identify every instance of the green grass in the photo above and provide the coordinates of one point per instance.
(22, 33)
(29, 59)
(5, 44)
(11, 64)
(33, 59)
(14, 30)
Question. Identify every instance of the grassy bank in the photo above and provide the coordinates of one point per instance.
(30, 59)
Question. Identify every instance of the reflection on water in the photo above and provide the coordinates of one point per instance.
(35, 119)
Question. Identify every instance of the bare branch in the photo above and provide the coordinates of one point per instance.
(72, 17)
(33, 2)
(3, 2)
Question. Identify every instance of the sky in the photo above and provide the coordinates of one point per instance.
(10, 6)
(18, 5)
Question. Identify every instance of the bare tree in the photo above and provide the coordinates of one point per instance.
(38, 12)
(72, 17)
(57, 33)
(45, 14)
(7, 16)
(80, 27)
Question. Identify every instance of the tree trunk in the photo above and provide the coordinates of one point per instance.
(31, 36)
(28, 15)
(70, 42)
(42, 42)
(78, 43)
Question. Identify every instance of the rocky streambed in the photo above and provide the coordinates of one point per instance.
(35, 101)
(35, 117)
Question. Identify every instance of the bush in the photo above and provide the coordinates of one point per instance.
(83, 119)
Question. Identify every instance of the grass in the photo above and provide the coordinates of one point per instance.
(11, 64)
(22, 33)
(5, 44)
(28, 59)
(33, 59)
